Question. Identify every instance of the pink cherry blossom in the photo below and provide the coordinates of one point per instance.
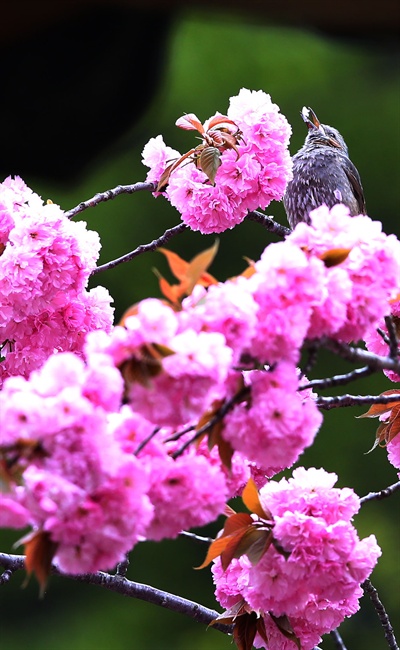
(316, 584)
(278, 423)
(246, 179)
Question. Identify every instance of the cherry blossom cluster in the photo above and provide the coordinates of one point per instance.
(65, 475)
(250, 175)
(45, 263)
(312, 572)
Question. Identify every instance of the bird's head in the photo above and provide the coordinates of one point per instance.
(321, 134)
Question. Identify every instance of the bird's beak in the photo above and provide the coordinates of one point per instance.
(306, 113)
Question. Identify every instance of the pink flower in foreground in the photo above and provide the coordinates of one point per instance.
(368, 277)
(45, 264)
(68, 476)
(316, 582)
(250, 175)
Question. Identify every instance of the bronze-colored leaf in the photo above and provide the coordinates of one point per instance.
(251, 500)
(225, 451)
(164, 178)
(199, 265)
(220, 120)
(40, 551)
(235, 526)
(190, 122)
(238, 521)
(245, 630)
(145, 364)
(228, 617)
(283, 624)
(177, 265)
(375, 410)
(216, 548)
(253, 542)
(335, 256)
(209, 162)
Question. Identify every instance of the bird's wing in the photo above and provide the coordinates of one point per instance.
(355, 182)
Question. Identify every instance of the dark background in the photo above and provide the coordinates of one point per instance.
(83, 88)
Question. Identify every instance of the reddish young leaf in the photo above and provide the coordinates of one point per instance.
(238, 521)
(177, 265)
(245, 630)
(335, 256)
(220, 120)
(164, 178)
(251, 500)
(40, 551)
(235, 525)
(216, 548)
(376, 410)
(283, 624)
(190, 122)
(198, 266)
(252, 541)
(228, 617)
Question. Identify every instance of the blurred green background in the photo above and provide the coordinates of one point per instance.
(354, 87)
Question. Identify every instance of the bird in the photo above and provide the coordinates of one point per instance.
(322, 174)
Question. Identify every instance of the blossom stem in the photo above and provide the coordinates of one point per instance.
(382, 614)
(143, 248)
(108, 195)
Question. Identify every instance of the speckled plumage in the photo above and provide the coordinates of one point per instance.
(322, 173)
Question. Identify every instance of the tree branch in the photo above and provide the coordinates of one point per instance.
(336, 401)
(351, 353)
(382, 494)
(108, 195)
(339, 380)
(270, 224)
(382, 614)
(125, 587)
(143, 248)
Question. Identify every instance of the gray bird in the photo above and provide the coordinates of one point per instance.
(322, 173)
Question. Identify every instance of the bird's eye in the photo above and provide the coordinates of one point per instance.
(334, 143)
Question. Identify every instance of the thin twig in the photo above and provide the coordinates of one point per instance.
(382, 614)
(339, 380)
(108, 195)
(131, 589)
(219, 415)
(382, 494)
(337, 401)
(268, 223)
(196, 538)
(146, 441)
(393, 340)
(337, 640)
(143, 248)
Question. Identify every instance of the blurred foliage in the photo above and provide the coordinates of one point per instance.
(211, 57)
